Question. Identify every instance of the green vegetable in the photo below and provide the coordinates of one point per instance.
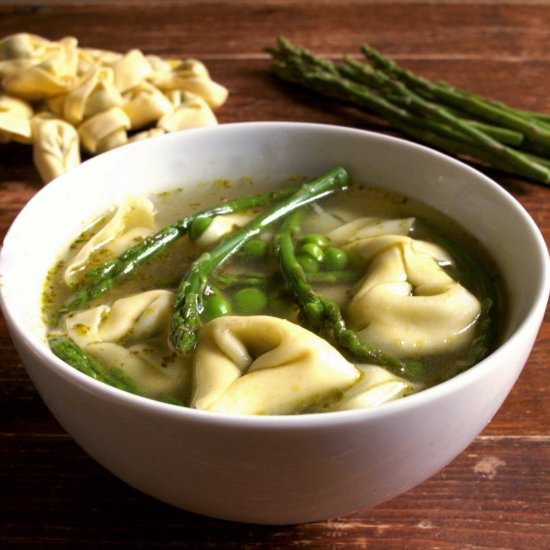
(113, 272)
(255, 248)
(69, 352)
(188, 306)
(467, 102)
(315, 238)
(335, 259)
(309, 265)
(322, 315)
(312, 250)
(198, 226)
(215, 306)
(242, 279)
(465, 131)
(250, 301)
(265, 279)
(333, 277)
(419, 110)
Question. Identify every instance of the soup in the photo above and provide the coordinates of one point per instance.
(322, 296)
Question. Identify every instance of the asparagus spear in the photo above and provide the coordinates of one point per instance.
(299, 66)
(398, 93)
(411, 100)
(69, 352)
(470, 103)
(323, 315)
(112, 272)
(504, 135)
(226, 280)
(188, 306)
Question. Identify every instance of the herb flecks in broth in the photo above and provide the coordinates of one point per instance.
(344, 267)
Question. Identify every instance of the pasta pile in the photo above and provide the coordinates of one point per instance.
(61, 98)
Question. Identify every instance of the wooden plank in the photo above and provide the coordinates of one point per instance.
(202, 29)
(58, 494)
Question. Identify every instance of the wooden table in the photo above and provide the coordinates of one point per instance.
(497, 493)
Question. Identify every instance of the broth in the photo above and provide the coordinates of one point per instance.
(250, 284)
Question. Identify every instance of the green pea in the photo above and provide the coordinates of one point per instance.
(255, 248)
(198, 227)
(313, 250)
(309, 264)
(250, 301)
(315, 238)
(215, 306)
(335, 259)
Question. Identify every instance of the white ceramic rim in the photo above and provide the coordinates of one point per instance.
(303, 421)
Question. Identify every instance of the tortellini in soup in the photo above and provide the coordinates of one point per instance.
(131, 335)
(265, 365)
(132, 221)
(403, 309)
(407, 303)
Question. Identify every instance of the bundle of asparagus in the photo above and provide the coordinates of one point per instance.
(447, 118)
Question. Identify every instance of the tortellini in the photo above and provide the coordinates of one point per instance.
(192, 76)
(131, 222)
(146, 134)
(364, 227)
(407, 303)
(15, 120)
(132, 335)
(21, 50)
(145, 104)
(265, 365)
(221, 226)
(131, 70)
(109, 97)
(55, 149)
(56, 74)
(135, 317)
(95, 93)
(192, 112)
(375, 387)
(104, 130)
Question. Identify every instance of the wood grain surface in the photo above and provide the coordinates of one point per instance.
(497, 493)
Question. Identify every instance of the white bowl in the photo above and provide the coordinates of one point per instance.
(276, 470)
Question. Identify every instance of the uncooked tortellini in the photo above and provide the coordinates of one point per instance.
(192, 112)
(104, 130)
(55, 74)
(132, 221)
(55, 148)
(192, 76)
(265, 365)
(95, 93)
(109, 97)
(131, 70)
(132, 335)
(145, 104)
(15, 120)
